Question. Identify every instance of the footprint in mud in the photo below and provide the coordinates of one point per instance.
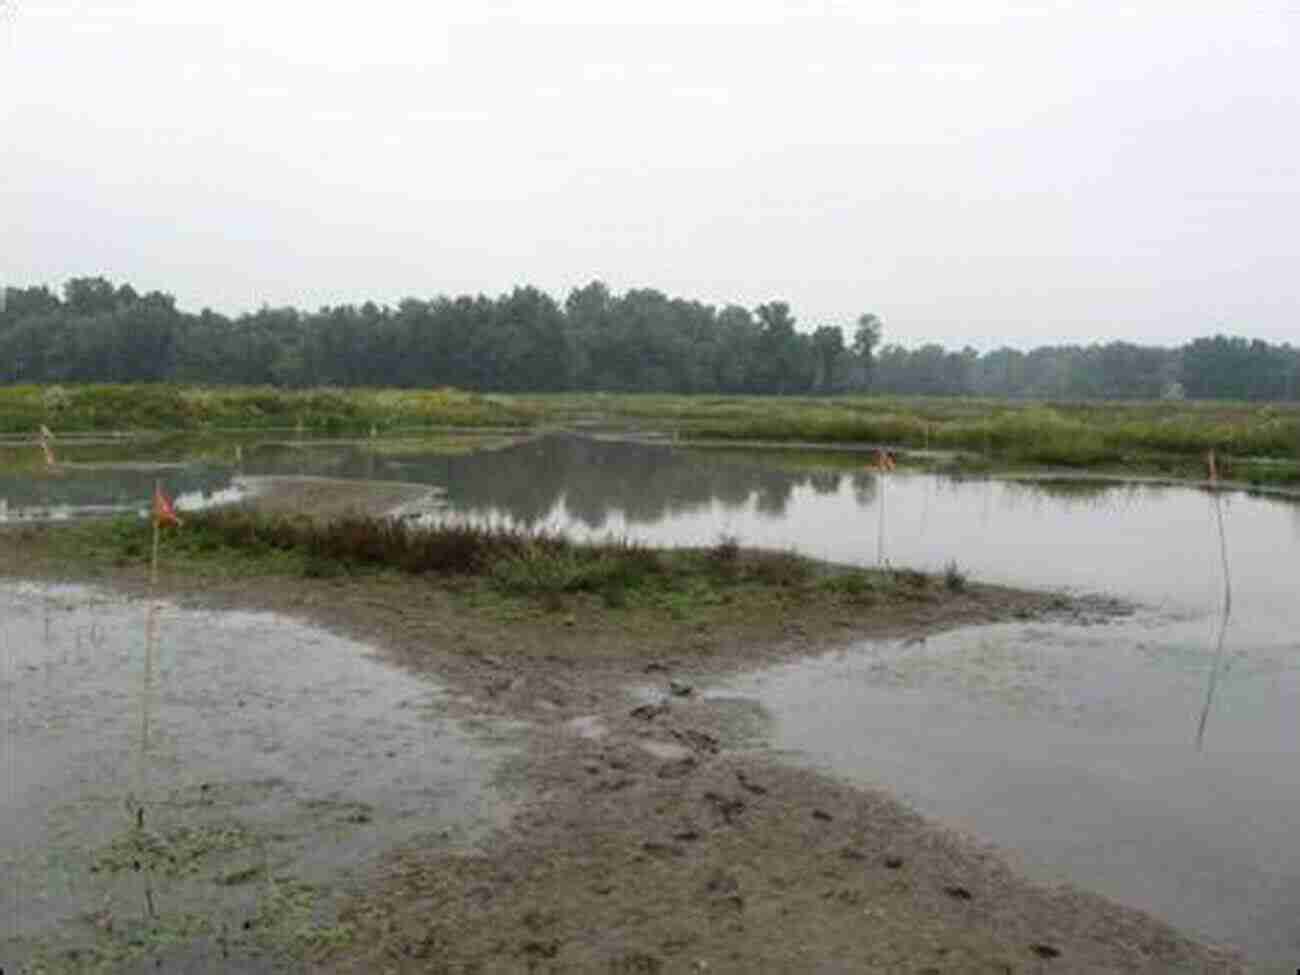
(698, 741)
(648, 712)
(679, 769)
(729, 807)
(722, 891)
(634, 963)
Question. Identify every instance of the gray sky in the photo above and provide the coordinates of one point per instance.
(974, 171)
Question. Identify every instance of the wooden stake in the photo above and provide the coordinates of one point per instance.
(1216, 663)
(153, 563)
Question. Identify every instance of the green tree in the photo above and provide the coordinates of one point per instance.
(866, 338)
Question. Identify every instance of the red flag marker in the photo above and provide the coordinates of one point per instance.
(163, 511)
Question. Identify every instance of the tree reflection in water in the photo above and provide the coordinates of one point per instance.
(643, 483)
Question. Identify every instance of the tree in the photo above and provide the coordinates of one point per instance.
(783, 366)
(828, 348)
(865, 340)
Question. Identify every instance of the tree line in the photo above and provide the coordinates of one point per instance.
(639, 341)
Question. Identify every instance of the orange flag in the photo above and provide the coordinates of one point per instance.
(163, 511)
(882, 460)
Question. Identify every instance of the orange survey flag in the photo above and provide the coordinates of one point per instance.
(163, 512)
(882, 460)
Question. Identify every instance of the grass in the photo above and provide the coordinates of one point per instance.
(1156, 437)
(101, 407)
(538, 568)
(1260, 441)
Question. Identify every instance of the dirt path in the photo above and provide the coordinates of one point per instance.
(662, 836)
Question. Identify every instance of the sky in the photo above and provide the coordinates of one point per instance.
(975, 172)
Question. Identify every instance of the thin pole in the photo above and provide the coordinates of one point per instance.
(153, 563)
(1227, 610)
(880, 528)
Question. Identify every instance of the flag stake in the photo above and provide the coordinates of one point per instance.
(157, 524)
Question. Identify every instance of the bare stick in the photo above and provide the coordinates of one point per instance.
(880, 528)
(153, 562)
(1223, 622)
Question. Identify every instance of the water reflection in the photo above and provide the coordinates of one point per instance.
(595, 483)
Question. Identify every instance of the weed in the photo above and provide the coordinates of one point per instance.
(787, 569)
(954, 580)
(911, 579)
(856, 584)
(726, 551)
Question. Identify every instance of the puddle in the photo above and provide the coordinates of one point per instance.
(260, 756)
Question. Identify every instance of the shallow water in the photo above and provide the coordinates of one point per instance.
(276, 749)
(1075, 748)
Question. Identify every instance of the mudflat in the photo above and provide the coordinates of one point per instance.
(653, 831)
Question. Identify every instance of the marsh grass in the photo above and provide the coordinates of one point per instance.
(176, 407)
(541, 567)
(1072, 434)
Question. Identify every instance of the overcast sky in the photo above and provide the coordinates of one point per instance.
(978, 172)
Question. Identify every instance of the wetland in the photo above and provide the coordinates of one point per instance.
(971, 743)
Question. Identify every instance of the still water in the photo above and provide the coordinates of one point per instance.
(1074, 748)
(250, 746)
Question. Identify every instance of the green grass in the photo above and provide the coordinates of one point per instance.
(169, 407)
(1159, 437)
(1070, 433)
(503, 565)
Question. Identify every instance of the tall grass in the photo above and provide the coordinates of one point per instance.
(1079, 434)
(1060, 433)
(172, 407)
(515, 561)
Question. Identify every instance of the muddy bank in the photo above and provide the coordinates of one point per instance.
(654, 832)
(326, 497)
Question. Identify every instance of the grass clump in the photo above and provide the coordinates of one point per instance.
(954, 580)
(489, 565)
(857, 585)
(173, 852)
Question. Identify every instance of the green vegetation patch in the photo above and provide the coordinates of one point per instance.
(177, 851)
(165, 406)
(489, 564)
